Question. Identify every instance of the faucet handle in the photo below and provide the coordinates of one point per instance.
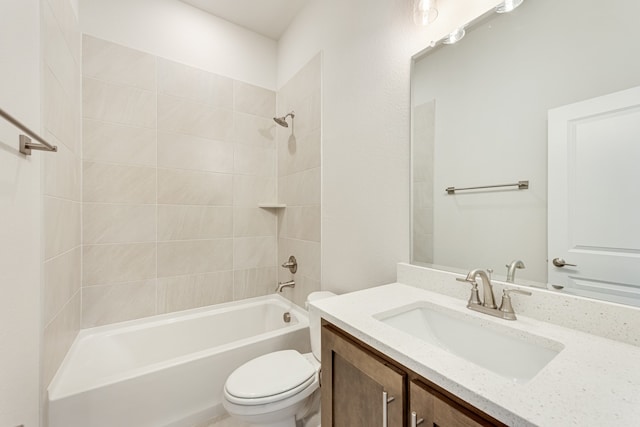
(474, 298)
(505, 307)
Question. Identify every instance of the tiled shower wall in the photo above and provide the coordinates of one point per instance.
(175, 163)
(61, 204)
(299, 177)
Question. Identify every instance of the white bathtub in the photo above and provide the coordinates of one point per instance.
(168, 370)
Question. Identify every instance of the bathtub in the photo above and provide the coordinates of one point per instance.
(168, 370)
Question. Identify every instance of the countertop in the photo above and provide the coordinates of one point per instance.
(593, 381)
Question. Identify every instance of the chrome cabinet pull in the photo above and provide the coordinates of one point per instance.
(415, 422)
(559, 262)
(385, 411)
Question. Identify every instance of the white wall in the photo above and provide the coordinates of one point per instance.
(367, 46)
(19, 216)
(180, 32)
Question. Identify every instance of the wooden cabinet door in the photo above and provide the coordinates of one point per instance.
(355, 384)
(437, 410)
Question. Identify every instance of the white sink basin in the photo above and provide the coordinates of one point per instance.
(506, 351)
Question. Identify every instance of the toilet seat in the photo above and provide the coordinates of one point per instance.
(270, 378)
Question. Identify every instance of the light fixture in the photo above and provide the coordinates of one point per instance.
(425, 11)
(455, 36)
(508, 6)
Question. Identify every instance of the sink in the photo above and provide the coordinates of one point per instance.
(506, 351)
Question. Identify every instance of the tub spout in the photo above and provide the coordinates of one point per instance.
(282, 285)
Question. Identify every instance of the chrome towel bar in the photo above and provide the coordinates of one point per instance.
(522, 185)
(25, 142)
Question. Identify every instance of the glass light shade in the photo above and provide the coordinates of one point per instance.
(508, 6)
(425, 11)
(455, 36)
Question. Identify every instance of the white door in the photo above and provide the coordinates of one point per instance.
(594, 197)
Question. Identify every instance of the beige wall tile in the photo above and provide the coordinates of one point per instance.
(58, 336)
(249, 191)
(103, 264)
(183, 187)
(194, 257)
(249, 222)
(254, 100)
(301, 188)
(299, 154)
(303, 222)
(254, 161)
(118, 183)
(194, 222)
(114, 143)
(116, 303)
(68, 21)
(182, 151)
(107, 223)
(252, 252)
(115, 63)
(61, 188)
(61, 226)
(307, 254)
(117, 103)
(62, 174)
(192, 83)
(57, 53)
(61, 115)
(192, 118)
(256, 131)
(61, 282)
(185, 292)
(254, 282)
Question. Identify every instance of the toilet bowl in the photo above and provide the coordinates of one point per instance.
(279, 388)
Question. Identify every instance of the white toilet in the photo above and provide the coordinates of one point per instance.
(278, 388)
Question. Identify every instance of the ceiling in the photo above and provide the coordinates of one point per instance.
(267, 17)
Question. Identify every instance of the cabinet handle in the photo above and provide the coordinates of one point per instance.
(385, 413)
(415, 422)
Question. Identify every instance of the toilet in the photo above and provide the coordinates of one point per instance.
(279, 388)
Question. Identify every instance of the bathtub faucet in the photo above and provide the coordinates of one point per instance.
(282, 285)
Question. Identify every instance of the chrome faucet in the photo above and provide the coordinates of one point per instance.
(488, 305)
(282, 285)
(511, 269)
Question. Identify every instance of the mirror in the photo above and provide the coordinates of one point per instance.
(480, 117)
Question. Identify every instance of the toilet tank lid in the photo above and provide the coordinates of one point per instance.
(270, 375)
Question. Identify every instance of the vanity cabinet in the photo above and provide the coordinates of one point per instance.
(363, 388)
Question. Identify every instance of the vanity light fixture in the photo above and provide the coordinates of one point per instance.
(455, 36)
(425, 11)
(508, 6)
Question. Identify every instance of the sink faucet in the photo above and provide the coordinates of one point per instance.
(487, 287)
(511, 269)
(488, 305)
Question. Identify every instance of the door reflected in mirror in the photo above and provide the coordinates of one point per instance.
(480, 118)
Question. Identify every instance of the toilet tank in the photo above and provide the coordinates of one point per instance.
(314, 321)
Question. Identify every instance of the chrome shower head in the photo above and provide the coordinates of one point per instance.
(282, 121)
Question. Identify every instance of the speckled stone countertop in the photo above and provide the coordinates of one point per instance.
(593, 381)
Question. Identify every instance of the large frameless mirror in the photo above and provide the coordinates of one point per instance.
(545, 95)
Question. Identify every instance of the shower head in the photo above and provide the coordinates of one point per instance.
(282, 121)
